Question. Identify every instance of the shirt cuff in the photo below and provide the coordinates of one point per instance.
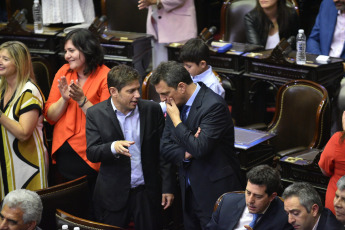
(112, 149)
(163, 106)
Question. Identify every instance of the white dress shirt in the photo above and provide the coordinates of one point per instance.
(337, 45)
(211, 81)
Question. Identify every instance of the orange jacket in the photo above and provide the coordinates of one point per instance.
(71, 125)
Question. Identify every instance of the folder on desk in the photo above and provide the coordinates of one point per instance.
(247, 138)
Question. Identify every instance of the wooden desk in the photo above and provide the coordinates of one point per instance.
(258, 65)
(253, 80)
(231, 62)
(264, 74)
(120, 47)
(303, 167)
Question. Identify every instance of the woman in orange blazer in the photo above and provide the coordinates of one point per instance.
(78, 85)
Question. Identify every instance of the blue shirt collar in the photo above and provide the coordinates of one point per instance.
(192, 98)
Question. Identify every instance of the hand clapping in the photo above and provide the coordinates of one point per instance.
(75, 91)
(64, 88)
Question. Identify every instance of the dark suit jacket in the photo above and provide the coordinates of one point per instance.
(230, 210)
(214, 167)
(320, 38)
(113, 181)
(329, 221)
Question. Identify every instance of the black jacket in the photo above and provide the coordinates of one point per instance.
(257, 37)
(114, 179)
(214, 167)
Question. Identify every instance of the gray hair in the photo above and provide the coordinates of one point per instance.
(341, 183)
(306, 194)
(28, 201)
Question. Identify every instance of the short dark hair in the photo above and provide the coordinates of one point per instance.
(87, 43)
(121, 75)
(194, 50)
(172, 73)
(306, 194)
(265, 175)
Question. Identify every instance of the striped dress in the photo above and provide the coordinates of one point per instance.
(23, 164)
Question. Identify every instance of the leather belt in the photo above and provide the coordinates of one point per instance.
(138, 188)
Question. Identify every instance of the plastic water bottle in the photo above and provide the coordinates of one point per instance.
(37, 15)
(300, 45)
(76, 228)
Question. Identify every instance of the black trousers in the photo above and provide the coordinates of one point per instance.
(71, 166)
(140, 208)
(194, 217)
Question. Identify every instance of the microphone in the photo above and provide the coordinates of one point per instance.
(207, 34)
(20, 17)
(290, 44)
(100, 21)
(292, 41)
(98, 25)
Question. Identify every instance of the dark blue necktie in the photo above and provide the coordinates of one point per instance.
(186, 163)
(184, 113)
(255, 218)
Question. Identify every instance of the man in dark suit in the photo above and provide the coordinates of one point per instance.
(259, 208)
(123, 133)
(202, 145)
(305, 209)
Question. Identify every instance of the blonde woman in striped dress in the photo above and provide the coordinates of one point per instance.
(23, 155)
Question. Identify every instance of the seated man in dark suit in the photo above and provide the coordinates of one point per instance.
(339, 201)
(259, 208)
(305, 209)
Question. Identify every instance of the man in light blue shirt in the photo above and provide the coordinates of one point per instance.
(123, 134)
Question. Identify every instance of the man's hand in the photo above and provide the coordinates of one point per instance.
(121, 147)
(187, 155)
(196, 135)
(174, 112)
(248, 227)
(167, 200)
